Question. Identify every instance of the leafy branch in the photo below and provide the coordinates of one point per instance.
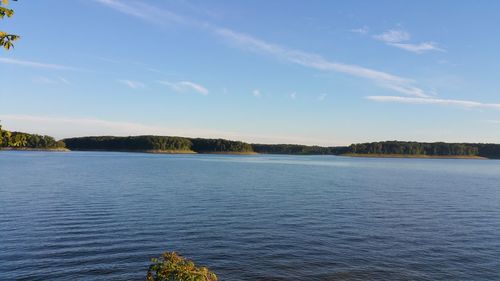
(6, 40)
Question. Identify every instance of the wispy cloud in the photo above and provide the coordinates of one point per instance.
(186, 86)
(64, 80)
(132, 84)
(361, 30)
(408, 90)
(154, 70)
(44, 80)
(63, 127)
(256, 93)
(322, 97)
(418, 48)
(70, 127)
(384, 79)
(144, 12)
(293, 95)
(52, 81)
(393, 36)
(195, 87)
(444, 102)
(250, 43)
(398, 38)
(29, 63)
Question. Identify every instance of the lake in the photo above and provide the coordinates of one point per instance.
(103, 215)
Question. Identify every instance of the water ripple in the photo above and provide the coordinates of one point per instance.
(101, 216)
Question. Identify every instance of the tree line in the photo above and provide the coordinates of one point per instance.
(299, 149)
(157, 143)
(139, 143)
(25, 140)
(427, 149)
(220, 145)
(202, 145)
(199, 145)
(415, 148)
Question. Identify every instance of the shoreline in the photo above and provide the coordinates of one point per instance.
(150, 151)
(166, 151)
(368, 155)
(359, 155)
(229, 152)
(34, 149)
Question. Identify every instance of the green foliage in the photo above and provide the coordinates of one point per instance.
(298, 149)
(24, 140)
(4, 12)
(416, 148)
(387, 147)
(489, 150)
(137, 143)
(4, 137)
(220, 145)
(6, 40)
(145, 143)
(173, 144)
(172, 267)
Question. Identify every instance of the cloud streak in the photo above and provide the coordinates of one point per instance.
(64, 127)
(398, 37)
(36, 64)
(144, 12)
(51, 81)
(393, 36)
(186, 86)
(132, 84)
(418, 48)
(314, 61)
(433, 101)
(251, 43)
(362, 30)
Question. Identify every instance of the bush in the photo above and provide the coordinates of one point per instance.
(172, 267)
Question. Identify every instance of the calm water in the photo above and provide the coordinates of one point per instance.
(101, 216)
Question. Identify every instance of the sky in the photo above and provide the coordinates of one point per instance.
(307, 72)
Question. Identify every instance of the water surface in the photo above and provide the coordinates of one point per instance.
(101, 216)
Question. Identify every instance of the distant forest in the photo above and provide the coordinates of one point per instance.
(428, 149)
(299, 149)
(199, 145)
(17, 140)
(139, 143)
(158, 143)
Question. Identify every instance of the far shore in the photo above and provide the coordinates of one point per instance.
(412, 156)
(157, 151)
(152, 151)
(361, 155)
(59, 149)
(230, 152)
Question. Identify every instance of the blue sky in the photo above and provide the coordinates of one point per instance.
(312, 72)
